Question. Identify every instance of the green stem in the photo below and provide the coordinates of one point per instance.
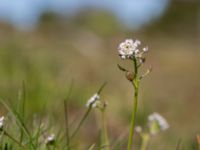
(105, 140)
(135, 103)
(23, 108)
(81, 122)
(145, 141)
(67, 123)
(87, 112)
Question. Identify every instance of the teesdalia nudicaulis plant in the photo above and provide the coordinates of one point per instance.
(132, 50)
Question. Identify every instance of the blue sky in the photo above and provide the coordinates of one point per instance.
(131, 13)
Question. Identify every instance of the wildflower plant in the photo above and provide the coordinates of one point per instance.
(95, 102)
(131, 50)
(155, 124)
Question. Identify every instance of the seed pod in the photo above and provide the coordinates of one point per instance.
(142, 60)
(105, 104)
(130, 76)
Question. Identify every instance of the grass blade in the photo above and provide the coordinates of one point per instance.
(66, 102)
(19, 121)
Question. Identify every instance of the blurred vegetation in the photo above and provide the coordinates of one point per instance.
(83, 50)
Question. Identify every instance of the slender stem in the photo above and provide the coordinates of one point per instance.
(135, 67)
(66, 113)
(105, 140)
(23, 109)
(101, 88)
(145, 141)
(67, 124)
(87, 112)
(20, 122)
(135, 103)
(81, 122)
(131, 133)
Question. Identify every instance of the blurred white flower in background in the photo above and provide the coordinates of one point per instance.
(157, 123)
(93, 101)
(138, 129)
(50, 139)
(1, 122)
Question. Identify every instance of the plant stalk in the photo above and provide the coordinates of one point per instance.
(105, 140)
(81, 122)
(135, 103)
(87, 113)
(145, 141)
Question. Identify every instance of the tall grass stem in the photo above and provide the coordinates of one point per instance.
(81, 122)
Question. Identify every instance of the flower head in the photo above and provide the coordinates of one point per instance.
(130, 49)
(93, 101)
(50, 139)
(138, 129)
(1, 122)
(157, 123)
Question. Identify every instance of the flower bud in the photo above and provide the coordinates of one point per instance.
(142, 60)
(130, 76)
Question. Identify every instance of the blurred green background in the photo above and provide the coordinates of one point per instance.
(83, 49)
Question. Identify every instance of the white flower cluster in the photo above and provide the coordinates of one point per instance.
(156, 117)
(93, 101)
(1, 122)
(50, 139)
(130, 48)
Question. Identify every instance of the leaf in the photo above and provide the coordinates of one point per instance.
(121, 68)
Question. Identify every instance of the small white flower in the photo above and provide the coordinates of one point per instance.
(137, 43)
(50, 139)
(156, 117)
(138, 129)
(93, 101)
(145, 49)
(130, 48)
(1, 122)
(127, 48)
(137, 51)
